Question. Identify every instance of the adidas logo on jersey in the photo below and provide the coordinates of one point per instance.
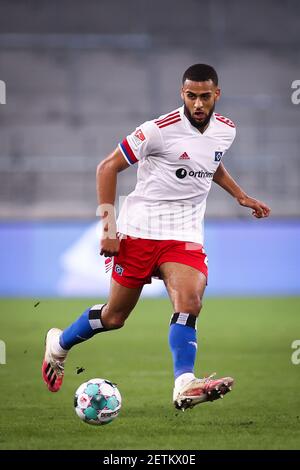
(184, 156)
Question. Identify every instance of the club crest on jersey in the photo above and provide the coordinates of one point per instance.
(119, 270)
(218, 156)
(139, 137)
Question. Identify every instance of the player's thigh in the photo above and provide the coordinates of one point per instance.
(185, 286)
(122, 300)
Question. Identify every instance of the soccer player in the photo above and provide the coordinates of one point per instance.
(159, 231)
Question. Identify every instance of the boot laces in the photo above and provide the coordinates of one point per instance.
(58, 367)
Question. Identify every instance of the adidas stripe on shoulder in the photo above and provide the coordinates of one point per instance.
(169, 119)
(224, 119)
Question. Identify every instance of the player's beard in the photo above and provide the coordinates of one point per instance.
(199, 125)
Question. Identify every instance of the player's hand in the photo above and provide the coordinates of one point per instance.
(259, 209)
(109, 247)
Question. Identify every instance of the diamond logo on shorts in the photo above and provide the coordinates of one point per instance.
(119, 270)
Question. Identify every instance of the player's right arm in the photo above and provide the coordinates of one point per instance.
(144, 141)
(106, 179)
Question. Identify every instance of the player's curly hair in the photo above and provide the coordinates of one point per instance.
(200, 73)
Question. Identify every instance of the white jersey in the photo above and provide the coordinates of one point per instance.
(176, 164)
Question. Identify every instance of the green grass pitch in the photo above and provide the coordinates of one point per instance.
(249, 339)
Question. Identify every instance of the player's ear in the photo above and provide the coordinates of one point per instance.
(181, 93)
(217, 94)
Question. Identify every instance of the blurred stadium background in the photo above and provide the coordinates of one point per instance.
(81, 75)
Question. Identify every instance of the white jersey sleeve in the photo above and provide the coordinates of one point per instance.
(145, 141)
(226, 131)
(228, 139)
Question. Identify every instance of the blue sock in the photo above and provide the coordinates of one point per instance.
(86, 326)
(183, 342)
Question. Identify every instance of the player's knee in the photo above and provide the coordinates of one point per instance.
(194, 305)
(114, 322)
(197, 306)
(191, 304)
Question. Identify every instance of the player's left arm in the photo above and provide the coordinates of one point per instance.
(223, 179)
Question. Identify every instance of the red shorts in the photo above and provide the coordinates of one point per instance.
(139, 259)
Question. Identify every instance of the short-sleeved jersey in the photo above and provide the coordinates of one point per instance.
(176, 165)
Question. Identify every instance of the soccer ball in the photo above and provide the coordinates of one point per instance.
(97, 401)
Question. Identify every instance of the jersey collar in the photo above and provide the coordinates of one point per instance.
(194, 129)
